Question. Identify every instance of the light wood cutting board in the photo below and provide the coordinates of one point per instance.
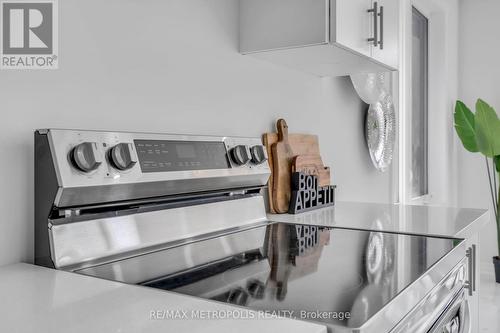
(312, 165)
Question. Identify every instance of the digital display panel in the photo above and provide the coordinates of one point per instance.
(164, 156)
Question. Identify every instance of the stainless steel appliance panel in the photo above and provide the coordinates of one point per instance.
(82, 244)
(179, 257)
(456, 317)
(102, 182)
(430, 309)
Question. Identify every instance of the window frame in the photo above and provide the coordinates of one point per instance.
(442, 168)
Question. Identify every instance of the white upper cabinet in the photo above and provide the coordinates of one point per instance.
(386, 50)
(352, 25)
(322, 37)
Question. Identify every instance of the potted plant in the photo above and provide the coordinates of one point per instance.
(480, 132)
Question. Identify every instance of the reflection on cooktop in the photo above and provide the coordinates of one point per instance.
(311, 269)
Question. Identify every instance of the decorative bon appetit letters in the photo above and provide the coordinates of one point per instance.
(307, 195)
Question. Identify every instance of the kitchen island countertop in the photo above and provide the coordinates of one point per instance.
(42, 300)
(421, 220)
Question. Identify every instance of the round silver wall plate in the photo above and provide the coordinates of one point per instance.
(380, 130)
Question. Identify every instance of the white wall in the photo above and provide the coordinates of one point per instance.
(478, 76)
(167, 66)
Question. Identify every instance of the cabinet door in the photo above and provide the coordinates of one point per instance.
(352, 24)
(388, 33)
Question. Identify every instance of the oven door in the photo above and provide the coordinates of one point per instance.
(456, 317)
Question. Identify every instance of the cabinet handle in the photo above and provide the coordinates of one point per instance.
(470, 283)
(381, 14)
(474, 258)
(374, 10)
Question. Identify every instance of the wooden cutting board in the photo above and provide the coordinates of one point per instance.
(301, 144)
(312, 165)
(282, 168)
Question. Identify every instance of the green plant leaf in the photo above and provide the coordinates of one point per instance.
(465, 126)
(497, 162)
(487, 128)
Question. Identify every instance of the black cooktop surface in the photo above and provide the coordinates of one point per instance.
(330, 275)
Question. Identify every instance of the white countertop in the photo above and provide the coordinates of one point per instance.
(38, 299)
(424, 220)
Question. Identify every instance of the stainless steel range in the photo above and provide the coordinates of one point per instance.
(187, 214)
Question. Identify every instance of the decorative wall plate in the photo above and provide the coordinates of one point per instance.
(371, 87)
(380, 132)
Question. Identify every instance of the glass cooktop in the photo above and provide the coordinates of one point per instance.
(335, 276)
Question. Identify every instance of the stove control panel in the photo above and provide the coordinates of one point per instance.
(146, 164)
(165, 155)
(89, 153)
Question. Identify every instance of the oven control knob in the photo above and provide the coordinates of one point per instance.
(238, 297)
(86, 156)
(123, 156)
(240, 155)
(258, 154)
